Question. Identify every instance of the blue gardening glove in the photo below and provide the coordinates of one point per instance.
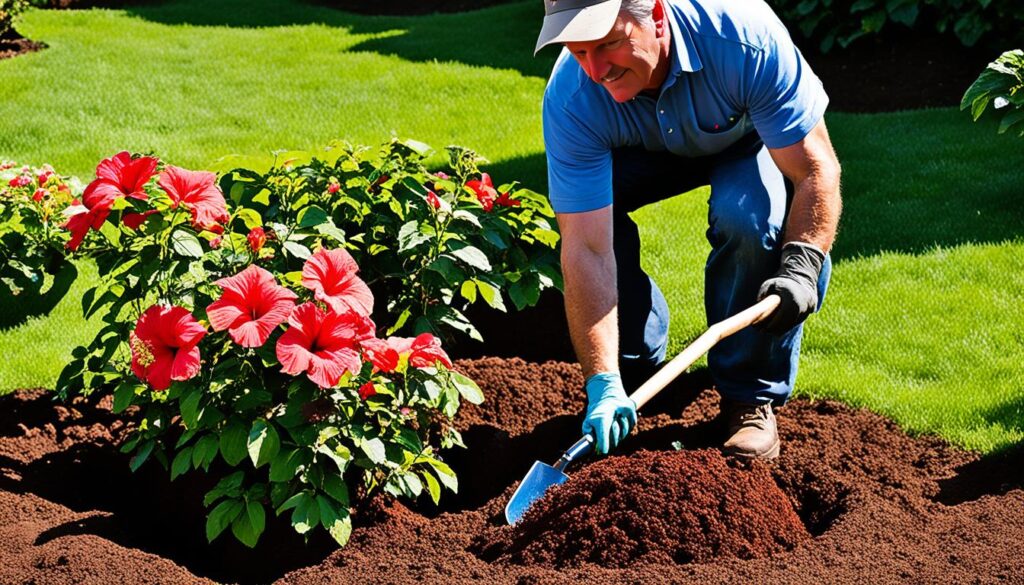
(610, 413)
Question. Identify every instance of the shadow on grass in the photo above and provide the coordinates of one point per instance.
(35, 300)
(498, 37)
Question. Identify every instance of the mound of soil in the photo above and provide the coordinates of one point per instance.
(13, 44)
(879, 506)
(654, 508)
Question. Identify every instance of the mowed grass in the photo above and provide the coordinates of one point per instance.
(922, 318)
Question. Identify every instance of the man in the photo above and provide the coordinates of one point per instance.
(652, 98)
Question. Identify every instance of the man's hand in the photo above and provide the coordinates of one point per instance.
(610, 413)
(796, 283)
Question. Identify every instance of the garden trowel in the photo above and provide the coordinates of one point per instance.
(543, 476)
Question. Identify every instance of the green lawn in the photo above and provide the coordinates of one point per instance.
(922, 321)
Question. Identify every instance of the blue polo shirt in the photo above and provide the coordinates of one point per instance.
(734, 70)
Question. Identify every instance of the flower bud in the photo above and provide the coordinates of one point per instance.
(257, 238)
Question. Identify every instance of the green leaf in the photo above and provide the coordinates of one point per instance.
(182, 462)
(312, 216)
(234, 443)
(189, 406)
(491, 294)
(186, 244)
(229, 486)
(1010, 119)
(263, 444)
(468, 291)
(331, 231)
(306, 515)
(298, 250)
(410, 236)
(250, 217)
(205, 451)
(374, 449)
(445, 474)
(335, 487)
(467, 216)
(292, 502)
(286, 464)
(123, 395)
(141, 454)
(221, 517)
(418, 147)
(409, 439)
(336, 519)
(248, 527)
(433, 487)
(473, 257)
(467, 388)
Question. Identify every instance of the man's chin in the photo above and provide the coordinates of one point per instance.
(622, 95)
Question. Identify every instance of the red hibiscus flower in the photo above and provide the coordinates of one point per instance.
(484, 190)
(134, 220)
(198, 192)
(505, 200)
(257, 237)
(331, 275)
(117, 176)
(252, 306)
(367, 390)
(44, 176)
(321, 344)
(333, 188)
(433, 200)
(20, 181)
(423, 351)
(164, 346)
(39, 194)
(380, 354)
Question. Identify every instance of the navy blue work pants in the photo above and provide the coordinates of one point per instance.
(747, 211)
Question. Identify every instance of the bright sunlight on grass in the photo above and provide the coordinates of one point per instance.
(922, 321)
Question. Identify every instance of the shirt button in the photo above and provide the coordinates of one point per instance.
(662, 112)
(669, 130)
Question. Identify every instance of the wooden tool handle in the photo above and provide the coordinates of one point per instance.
(701, 346)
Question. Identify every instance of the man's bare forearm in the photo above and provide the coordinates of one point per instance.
(814, 215)
(591, 306)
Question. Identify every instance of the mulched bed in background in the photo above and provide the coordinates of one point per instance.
(13, 44)
(879, 506)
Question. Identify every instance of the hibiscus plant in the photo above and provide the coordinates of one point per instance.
(257, 362)
(32, 202)
(429, 243)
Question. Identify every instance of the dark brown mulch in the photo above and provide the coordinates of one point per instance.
(880, 506)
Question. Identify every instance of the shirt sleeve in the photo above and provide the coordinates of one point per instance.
(579, 165)
(786, 99)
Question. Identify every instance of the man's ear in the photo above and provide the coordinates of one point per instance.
(658, 14)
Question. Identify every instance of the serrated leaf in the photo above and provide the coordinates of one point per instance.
(186, 244)
(263, 443)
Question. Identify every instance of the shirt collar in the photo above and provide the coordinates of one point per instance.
(684, 52)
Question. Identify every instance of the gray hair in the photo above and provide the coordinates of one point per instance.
(640, 10)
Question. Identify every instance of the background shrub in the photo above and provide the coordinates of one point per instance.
(9, 10)
(1002, 85)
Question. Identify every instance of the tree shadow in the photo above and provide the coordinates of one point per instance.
(37, 297)
(497, 37)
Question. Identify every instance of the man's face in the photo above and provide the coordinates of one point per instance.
(626, 61)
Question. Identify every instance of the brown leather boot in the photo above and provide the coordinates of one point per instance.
(752, 431)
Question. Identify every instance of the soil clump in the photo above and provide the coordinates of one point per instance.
(654, 507)
(879, 506)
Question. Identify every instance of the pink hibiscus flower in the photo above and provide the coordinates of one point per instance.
(321, 344)
(252, 306)
(198, 192)
(423, 351)
(331, 275)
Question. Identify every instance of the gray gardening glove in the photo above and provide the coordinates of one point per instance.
(796, 283)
